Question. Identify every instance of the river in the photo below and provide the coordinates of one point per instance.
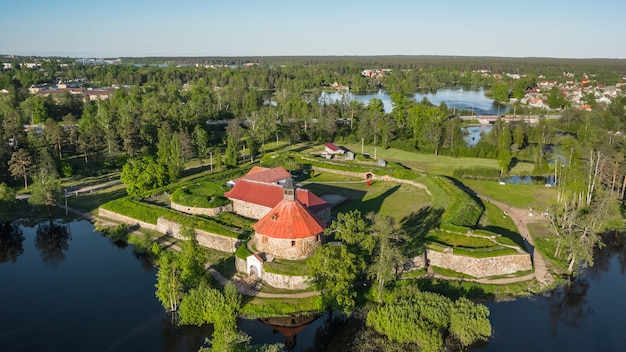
(84, 293)
(460, 97)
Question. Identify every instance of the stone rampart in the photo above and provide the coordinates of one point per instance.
(204, 238)
(249, 210)
(125, 219)
(202, 211)
(364, 175)
(241, 265)
(480, 267)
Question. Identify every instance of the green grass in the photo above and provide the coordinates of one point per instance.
(214, 256)
(201, 195)
(458, 240)
(288, 267)
(545, 243)
(396, 200)
(430, 163)
(519, 196)
(496, 222)
(451, 273)
(413, 274)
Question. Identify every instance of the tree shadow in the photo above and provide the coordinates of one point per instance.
(52, 240)
(11, 242)
(512, 235)
(417, 225)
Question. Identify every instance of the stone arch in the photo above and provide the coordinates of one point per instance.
(369, 175)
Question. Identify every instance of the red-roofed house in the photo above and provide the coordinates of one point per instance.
(330, 148)
(254, 195)
(288, 230)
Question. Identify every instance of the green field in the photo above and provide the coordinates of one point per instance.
(520, 196)
(429, 163)
(394, 199)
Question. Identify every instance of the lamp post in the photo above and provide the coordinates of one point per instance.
(65, 192)
(362, 141)
(211, 155)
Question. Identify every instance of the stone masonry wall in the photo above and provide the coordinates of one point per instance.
(249, 210)
(276, 280)
(240, 265)
(415, 263)
(125, 219)
(285, 282)
(202, 211)
(481, 267)
(205, 239)
(282, 248)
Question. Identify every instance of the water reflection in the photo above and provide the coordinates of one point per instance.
(289, 327)
(11, 242)
(52, 240)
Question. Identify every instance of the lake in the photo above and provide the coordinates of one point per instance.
(84, 293)
(466, 97)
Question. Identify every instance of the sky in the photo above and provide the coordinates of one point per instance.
(138, 28)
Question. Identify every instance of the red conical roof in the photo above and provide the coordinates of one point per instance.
(289, 219)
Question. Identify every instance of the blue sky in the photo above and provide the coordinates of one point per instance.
(112, 28)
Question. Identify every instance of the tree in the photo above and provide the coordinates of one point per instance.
(191, 259)
(387, 256)
(7, 201)
(334, 269)
(201, 141)
(45, 191)
(143, 174)
(232, 152)
(169, 285)
(20, 165)
(54, 136)
(504, 161)
(469, 322)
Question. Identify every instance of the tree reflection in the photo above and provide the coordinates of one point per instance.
(11, 242)
(52, 240)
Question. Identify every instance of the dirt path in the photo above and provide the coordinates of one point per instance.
(521, 218)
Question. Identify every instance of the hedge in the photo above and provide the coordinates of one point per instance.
(477, 172)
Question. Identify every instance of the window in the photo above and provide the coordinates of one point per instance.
(293, 243)
(264, 239)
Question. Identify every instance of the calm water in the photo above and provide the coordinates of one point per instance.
(470, 98)
(83, 293)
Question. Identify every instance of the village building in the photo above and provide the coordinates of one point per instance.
(289, 230)
(260, 190)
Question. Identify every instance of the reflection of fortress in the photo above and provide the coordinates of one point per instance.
(289, 327)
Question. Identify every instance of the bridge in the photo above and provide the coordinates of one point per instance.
(490, 119)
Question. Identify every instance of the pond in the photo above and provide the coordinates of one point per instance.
(459, 97)
(81, 292)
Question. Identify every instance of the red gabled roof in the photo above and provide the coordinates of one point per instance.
(270, 194)
(289, 220)
(265, 175)
(268, 175)
(332, 147)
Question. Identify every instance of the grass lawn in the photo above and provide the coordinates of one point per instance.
(520, 196)
(288, 267)
(431, 163)
(396, 200)
(545, 243)
(91, 201)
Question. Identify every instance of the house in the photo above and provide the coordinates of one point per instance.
(289, 230)
(330, 148)
(260, 190)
